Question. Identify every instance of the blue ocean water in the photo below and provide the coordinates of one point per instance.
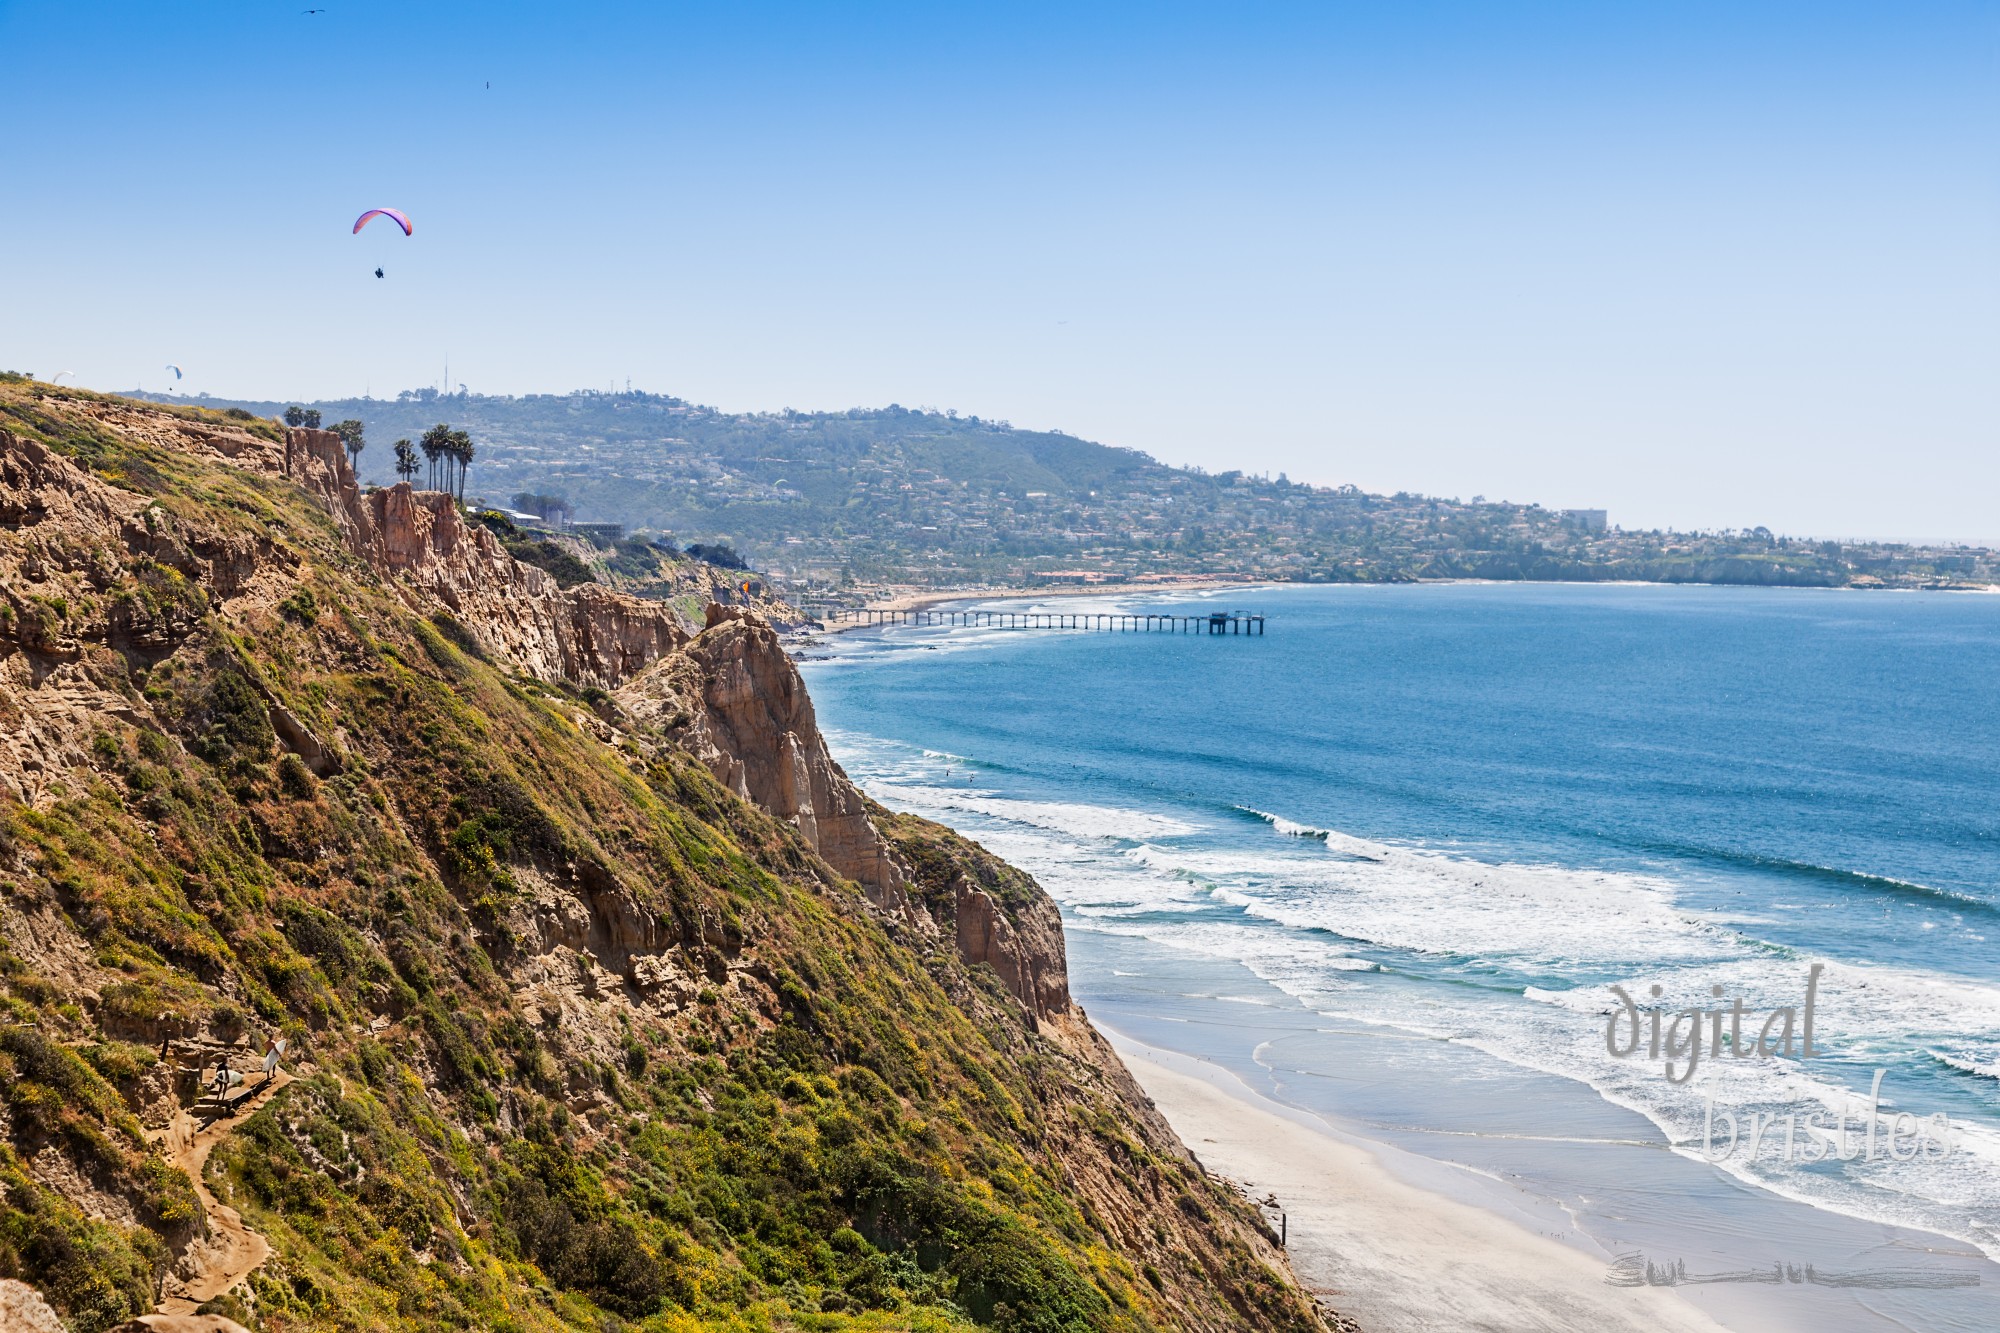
(1461, 813)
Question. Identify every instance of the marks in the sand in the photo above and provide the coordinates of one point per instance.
(1636, 1270)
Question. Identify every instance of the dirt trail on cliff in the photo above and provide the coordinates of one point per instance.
(230, 1251)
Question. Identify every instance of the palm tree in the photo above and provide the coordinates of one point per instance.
(406, 459)
(462, 450)
(436, 444)
(295, 415)
(349, 432)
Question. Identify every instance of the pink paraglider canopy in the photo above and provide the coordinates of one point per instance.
(388, 213)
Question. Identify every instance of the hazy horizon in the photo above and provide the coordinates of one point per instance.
(1701, 267)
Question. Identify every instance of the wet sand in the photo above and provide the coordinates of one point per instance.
(1391, 1254)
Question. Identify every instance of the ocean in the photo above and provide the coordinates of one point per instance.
(1389, 860)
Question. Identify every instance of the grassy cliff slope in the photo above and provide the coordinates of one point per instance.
(579, 1036)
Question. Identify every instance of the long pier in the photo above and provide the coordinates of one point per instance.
(1216, 622)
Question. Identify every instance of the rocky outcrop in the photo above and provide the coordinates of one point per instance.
(734, 698)
(514, 612)
(1025, 948)
(22, 1310)
(996, 914)
(318, 461)
(91, 574)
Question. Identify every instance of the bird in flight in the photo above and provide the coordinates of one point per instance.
(378, 272)
(312, 11)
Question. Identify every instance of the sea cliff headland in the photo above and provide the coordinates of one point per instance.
(590, 989)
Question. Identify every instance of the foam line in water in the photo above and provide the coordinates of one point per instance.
(1967, 1065)
(1290, 828)
(1513, 960)
(1076, 819)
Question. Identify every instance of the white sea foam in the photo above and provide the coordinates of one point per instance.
(1295, 913)
(1434, 904)
(1290, 828)
(1073, 818)
(1966, 1065)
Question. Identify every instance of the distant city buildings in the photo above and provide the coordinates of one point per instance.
(1591, 520)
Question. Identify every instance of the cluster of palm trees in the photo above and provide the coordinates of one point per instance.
(447, 454)
(350, 433)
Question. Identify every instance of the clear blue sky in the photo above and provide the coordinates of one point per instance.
(1704, 264)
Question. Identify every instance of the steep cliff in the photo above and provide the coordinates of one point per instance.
(516, 612)
(602, 1008)
(734, 698)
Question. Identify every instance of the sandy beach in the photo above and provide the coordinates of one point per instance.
(924, 599)
(914, 599)
(1390, 1254)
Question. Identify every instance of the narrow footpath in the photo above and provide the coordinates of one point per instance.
(228, 1252)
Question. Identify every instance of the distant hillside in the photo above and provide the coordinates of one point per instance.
(891, 494)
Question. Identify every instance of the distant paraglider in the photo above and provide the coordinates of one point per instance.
(57, 377)
(389, 213)
(176, 369)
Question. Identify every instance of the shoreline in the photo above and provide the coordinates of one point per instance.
(914, 599)
(918, 600)
(1387, 1252)
(1548, 1156)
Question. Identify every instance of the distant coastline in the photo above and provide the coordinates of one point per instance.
(892, 495)
(915, 599)
(926, 599)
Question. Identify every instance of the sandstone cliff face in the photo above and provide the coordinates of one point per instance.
(587, 635)
(731, 694)
(996, 914)
(1024, 947)
(487, 910)
(734, 698)
(93, 576)
(317, 461)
